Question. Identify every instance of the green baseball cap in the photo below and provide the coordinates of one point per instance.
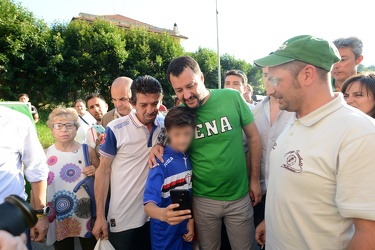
(308, 49)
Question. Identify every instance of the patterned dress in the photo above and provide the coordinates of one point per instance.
(70, 214)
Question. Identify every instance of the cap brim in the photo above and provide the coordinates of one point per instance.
(273, 60)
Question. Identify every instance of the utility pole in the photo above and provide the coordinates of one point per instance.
(218, 50)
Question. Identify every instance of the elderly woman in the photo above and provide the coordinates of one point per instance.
(70, 214)
(359, 92)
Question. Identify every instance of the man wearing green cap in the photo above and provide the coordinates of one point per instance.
(321, 180)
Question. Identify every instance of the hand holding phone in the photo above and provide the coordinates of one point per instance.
(183, 198)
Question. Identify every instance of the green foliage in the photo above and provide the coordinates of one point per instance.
(150, 54)
(362, 68)
(44, 132)
(58, 64)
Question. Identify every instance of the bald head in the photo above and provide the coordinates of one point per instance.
(120, 93)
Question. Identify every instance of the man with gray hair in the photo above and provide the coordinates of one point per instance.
(350, 49)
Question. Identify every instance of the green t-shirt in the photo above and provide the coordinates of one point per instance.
(217, 153)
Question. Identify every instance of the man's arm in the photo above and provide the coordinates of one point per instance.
(255, 148)
(363, 237)
(101, 188)
(38, 189)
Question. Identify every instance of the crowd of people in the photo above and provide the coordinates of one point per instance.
(293, 171)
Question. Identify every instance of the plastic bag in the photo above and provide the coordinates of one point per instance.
(104, 244)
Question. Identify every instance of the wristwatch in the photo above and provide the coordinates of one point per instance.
(40, 213)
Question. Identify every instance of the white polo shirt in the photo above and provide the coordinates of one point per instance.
(128, 142)
(322, 174)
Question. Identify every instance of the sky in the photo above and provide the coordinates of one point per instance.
(248, 29)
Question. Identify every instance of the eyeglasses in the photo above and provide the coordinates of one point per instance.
(59, 126)
(274, 81)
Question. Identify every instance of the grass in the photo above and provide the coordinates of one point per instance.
(44, 133)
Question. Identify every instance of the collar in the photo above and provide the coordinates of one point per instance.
(323, 111)
(138, 124)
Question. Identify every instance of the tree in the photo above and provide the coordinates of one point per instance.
(150, 54)
(207, 60)
(22, 50)
(93, 56)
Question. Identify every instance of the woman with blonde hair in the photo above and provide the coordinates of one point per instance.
(70, 214)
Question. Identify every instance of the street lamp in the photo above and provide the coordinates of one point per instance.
(218, 50)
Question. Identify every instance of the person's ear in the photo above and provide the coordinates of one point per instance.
(359, 60)
(202, 77)
(307, 75)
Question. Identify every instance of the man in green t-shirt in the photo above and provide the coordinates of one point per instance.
(221, 184)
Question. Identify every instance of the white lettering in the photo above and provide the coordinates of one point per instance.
(198, 133)
(211, 128)
(225, 125)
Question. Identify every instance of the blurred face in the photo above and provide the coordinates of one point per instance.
(285, 88)
(121, 100)
(97, 108)
(180, 137)
(347, 66)
(234, 82)
(64, 130)
(147, 107)
(24, 99)
(80, 108)
(189, 87)
(358, 97)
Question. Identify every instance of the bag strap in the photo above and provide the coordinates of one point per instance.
(86, 155)
(83, 120)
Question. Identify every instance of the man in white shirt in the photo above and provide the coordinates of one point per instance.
(120, 94)
(321, 180)
(123, 168)
(271, 122)
(19, 145)
(85, 120)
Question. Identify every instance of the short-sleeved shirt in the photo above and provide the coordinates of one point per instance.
(268, 134)
(128, 142)
(217, 153)
(19, 144)
(321, 176)
(174, 173)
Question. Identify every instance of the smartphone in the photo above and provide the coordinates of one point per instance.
(182, 197)
(99, 128)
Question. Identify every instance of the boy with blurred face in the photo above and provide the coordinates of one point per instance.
(172, 229)
(311, 154)
(123, 167)
(350, 50)
(217, 157)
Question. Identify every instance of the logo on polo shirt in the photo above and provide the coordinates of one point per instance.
(170, 159)
(294, 161)
(188, 179)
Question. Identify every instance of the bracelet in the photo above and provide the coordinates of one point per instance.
(40, 216)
